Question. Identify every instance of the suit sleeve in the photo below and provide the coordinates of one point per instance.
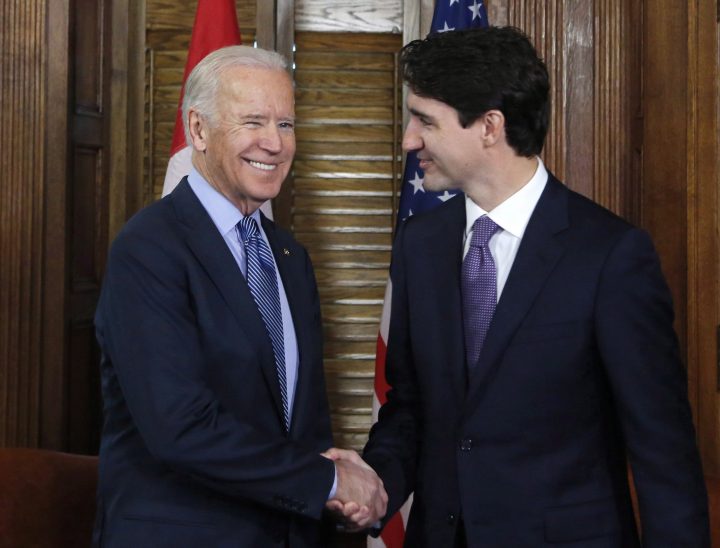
(392, 449)
(639, 349)
(323, 424)
(147, 325)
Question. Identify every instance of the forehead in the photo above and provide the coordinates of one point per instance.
(256, 86)
(432, 108)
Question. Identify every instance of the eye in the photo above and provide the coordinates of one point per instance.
(252, 124)
(287, 125)
(424, 121)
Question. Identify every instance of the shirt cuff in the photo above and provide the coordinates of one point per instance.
(334, 486)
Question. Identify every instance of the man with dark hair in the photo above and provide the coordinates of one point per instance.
(531, 352)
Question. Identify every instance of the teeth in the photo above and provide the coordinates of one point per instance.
(259, 165)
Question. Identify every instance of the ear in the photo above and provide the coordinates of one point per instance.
(492, 125)
(198, 130)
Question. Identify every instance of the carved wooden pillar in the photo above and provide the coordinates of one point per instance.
(680, 194)
(22, 135)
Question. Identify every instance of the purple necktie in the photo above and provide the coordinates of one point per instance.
(479, 289)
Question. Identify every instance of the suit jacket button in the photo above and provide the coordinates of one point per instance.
(451, 518)
(466, 444)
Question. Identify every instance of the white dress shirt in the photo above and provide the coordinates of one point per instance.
(512, 217)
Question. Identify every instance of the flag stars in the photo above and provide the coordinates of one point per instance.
(475, 9)
(454, 2)
(446, 28)
(417, 183)
(444, 197)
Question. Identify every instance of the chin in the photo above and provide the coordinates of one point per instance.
(437, 186)
(266, 191)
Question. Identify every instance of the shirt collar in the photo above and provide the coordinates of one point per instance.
(514, 213)
(221, 210)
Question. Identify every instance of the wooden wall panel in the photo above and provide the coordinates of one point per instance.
(704, 227)
(497, 11)
(180, 14)
(54, 383)
(681, 132)
(348, 123)
(593, 62)
(22, 101)
(664, 190)
(58, 102)
(616, 86)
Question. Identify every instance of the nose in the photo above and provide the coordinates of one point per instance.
(411, 138)
(271, 140)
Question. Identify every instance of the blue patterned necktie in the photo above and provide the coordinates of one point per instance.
(262, 281)
(479, 289)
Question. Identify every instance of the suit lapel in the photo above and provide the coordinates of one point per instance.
(442, 245)
(536, 258)
(212, 253)
(290, 271)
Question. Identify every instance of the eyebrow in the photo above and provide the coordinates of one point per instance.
(253, 117)
(262, 117)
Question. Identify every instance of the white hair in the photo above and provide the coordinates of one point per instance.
(202, 84)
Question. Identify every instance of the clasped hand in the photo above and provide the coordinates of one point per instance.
(360, 498)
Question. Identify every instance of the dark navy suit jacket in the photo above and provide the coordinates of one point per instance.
(579, 373)
(194, 451)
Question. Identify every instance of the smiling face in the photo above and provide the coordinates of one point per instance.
(449, 154)
(246, 151)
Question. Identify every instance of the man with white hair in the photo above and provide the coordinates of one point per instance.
(215, 407)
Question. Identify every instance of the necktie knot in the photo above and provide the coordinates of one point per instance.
(248, 229)
(483, 229)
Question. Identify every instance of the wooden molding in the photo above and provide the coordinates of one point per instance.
(703, 181)
(349, 16)
(266, 24)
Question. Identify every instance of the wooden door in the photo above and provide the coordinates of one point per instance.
(87, 213)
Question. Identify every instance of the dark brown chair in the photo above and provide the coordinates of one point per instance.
(47, 499)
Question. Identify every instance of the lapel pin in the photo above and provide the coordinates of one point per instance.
(286, 251)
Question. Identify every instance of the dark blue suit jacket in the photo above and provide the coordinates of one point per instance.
(194, 451)
(579, 372)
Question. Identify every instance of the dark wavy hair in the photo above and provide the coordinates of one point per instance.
(478, 70)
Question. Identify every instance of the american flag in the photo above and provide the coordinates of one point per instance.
(449, 15)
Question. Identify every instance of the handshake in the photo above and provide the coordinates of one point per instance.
(360, 498)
